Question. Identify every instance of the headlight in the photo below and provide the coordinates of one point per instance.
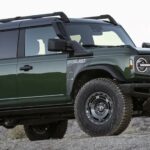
(141, 65)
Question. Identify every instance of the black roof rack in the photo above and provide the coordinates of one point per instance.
(110, 18)
(62, 15)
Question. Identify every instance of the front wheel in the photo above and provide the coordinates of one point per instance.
(54, 130)
(102, 109)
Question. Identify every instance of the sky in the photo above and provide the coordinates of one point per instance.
(133, 15)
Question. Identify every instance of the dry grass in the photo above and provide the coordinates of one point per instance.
(16, 133)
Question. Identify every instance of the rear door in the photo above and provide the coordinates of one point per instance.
(41, 74)
(8, 67)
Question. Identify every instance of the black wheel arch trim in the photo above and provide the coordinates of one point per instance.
(114, 71)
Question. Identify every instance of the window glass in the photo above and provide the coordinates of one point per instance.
(8, 44)
(36, 40)
(98, 34)
(76, 38)
(107, 38)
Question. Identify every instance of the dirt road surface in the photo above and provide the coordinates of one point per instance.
(136, 137)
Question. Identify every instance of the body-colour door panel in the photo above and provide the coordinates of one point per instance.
(8, 68)
(41, 74)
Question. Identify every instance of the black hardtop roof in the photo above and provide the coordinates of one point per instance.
(28, 21)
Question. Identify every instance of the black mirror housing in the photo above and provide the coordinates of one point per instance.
(72, 47)
(146, 45)
(57, 45)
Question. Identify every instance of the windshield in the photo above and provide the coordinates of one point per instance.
(94, 34)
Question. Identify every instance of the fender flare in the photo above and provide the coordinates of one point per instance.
(114, 71)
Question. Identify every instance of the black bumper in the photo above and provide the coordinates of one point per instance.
(136, 89)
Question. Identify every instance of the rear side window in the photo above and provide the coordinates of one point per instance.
(36, 40)
(8, 44)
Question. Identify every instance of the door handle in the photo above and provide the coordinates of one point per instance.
(26, 68)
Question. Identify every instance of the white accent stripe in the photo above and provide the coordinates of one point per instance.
(144, 65)
(32, 97)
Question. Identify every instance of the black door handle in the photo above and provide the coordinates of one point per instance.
(26, 68)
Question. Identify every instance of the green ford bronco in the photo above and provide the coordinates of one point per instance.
(53, 68)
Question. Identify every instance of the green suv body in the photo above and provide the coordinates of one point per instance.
(54, 69)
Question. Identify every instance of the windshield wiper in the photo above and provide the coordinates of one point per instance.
(117, 46)
(90, 45)
(103, 46)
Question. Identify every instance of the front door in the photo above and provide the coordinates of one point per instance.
(41, 74)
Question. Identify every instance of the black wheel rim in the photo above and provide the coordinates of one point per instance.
(99, 107)
(40, 129)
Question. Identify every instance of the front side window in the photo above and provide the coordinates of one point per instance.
(98, 34)
(8, 44)
(36, 40)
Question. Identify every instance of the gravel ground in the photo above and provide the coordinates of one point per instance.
(136, 137)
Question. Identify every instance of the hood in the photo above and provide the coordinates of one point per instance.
(143, 51)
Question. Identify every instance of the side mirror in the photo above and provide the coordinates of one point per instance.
(146, 45)
(57, 45)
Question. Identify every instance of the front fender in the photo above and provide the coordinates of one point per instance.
(113, 71)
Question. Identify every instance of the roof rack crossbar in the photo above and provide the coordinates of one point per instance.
(110, 18)
(62, 15)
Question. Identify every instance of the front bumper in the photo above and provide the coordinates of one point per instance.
(136, 89)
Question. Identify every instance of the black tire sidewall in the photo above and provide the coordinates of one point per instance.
(59, 129)
(109, 126)
(33, 136)
(55, 130)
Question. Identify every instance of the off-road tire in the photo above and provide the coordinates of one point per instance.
(59, 129)
(55, 130)
(121, 106)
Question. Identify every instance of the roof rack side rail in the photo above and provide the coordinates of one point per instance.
(110, 18)
(62, 15)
